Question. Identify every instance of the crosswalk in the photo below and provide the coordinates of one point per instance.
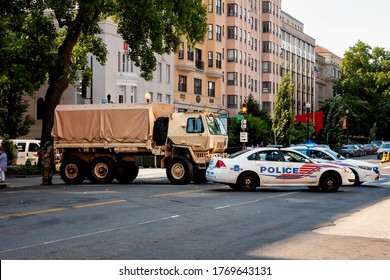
(384, 181)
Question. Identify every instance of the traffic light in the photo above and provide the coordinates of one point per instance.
(244, 108)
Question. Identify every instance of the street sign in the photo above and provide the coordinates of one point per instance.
(239, 117)
(243, 124)
(244, 137)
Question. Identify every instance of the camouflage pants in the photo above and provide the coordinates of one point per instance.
(47, 174)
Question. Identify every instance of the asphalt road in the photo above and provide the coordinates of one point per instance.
(154, 220)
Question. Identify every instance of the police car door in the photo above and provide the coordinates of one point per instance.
(270, 165)
(298, 170)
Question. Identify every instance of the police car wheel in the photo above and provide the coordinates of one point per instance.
(247, 181)
(329, 183)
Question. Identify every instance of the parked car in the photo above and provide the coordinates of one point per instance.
(370, 149)
(248, 169)
(385, 147)
(377, 142)
(363, 171)
(350, 151)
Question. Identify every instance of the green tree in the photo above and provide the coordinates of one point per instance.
(60, 34)
(364, 84)
(333, 121)
(283, 118)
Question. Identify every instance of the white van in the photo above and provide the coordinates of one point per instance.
(27, 149)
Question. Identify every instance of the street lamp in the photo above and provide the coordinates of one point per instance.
(147, 96)
(308, 106)
(346, 124)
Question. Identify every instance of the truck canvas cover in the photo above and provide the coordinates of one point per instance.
(125, 122)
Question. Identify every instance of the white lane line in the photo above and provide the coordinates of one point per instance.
(87, 234)
(253, 201)
(386, 167)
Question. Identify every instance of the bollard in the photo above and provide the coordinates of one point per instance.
(385, 156)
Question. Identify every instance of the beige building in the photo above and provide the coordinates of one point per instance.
(329, 67)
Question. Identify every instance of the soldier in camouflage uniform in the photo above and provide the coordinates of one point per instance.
(47, 156)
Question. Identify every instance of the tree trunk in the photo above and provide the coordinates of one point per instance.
(52, 99)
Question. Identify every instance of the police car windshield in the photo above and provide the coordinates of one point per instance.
(334, 154)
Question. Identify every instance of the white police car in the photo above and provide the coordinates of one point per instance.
(248, 169)
(363, 171)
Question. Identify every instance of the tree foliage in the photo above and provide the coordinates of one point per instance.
(55, 36)
(283, 118)
(365, 86)
(333, 122)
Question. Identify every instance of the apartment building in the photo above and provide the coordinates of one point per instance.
(298, 58)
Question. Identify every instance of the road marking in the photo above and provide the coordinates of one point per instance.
(88, 234)
(186, 192)
(43, 211)
(252, 201)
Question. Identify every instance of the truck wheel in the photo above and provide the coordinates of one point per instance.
(72, 171)
(200, 176)
(126, 172)
(180, 171)
(102, 170)
(329, 183)
(160, 130)
(247, 181)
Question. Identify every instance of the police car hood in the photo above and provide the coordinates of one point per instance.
(347, 162)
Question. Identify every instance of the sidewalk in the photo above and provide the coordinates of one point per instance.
(36, 180)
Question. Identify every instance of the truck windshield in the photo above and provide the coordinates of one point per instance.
(215, 125)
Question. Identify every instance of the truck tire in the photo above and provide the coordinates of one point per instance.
(102, 170)
(72, 171)
(329, 182)
(180, 171)
(126, 172)
(160, 130)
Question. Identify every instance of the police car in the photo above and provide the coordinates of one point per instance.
(248, 169)
(363, 171)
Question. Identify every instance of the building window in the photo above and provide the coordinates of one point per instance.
(266, 87)
(182, 86)
(232, 55)
(198, 86)
(181, 50)
(168, 99)
(159, 72)
(232, 78)
(210, 59)
(159, 97)
(211, 89)
(267, 27)
(210, 6)
(218, 7)
(266, 106)
(232, 101)
(218, 60)
(267, 47)
(232, 32)
(168, 74)
(267, 7)
(266, 66)
(210, 32)
(190, 53)
(232, 10)
(125, 63)
(218, 33)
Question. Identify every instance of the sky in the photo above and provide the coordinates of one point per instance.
(338, 25)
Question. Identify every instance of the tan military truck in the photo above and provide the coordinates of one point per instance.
(103, 142)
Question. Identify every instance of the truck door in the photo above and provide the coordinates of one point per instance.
(195, 128)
